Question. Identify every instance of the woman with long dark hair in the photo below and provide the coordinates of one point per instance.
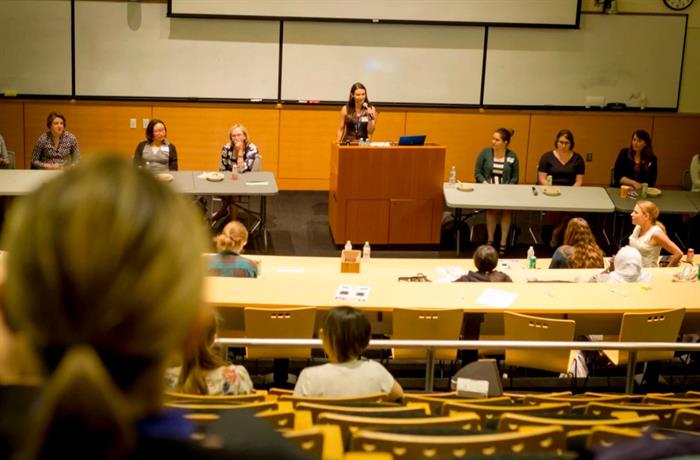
(358, 118)
(637, 164)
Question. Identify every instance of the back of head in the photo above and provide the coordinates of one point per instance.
(485, 258)
(587, 253)
(233, 238)
(98, 273)
(346, 331)
(200, 358)
(628, 266)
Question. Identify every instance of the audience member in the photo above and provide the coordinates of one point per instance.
(636, 164)
(57, 147)
(104, 303)
(625, 267)
(580, 249)
(203, 372)
(649, 235)
(346, 334)
(486, 261)
(228, 261)
(156, 154)
(498, 165)
(358, 118)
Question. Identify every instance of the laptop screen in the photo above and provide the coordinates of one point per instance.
(412, 140)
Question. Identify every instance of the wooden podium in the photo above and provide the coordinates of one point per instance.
(386, 195)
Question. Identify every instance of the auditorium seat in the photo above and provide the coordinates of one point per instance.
(411, 446)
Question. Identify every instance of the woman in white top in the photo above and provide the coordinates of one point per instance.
(649, 235)
(346, 333)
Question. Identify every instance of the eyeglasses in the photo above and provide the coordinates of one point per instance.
(563, 142)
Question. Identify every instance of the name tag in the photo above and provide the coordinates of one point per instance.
(165, 148)
(364, 119)
(510, 160)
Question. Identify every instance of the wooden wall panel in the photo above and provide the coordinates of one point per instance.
(11, 122)
(305, 141)
(465, 134)
(675, 143)
(295, 141)
(99, 127)
(200, 132)
(391, 124)
(602, 134)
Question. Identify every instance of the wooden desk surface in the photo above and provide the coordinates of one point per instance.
(313, 281)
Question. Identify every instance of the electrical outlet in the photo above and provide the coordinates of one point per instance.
(589, 156)
(145, 122)
(132, 123)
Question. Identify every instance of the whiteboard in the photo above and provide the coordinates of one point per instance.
(635, 59)
(550, 12)
(35, 47)
(133, 50)
(398, 63)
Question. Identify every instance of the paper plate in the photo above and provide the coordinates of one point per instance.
(165, 177)
(215, 176)
(653, 191)
(551, 191)
(462, 187)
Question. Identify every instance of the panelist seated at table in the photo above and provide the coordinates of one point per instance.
(156, 154)
(229, 261)
(346, 334)
(625, 267)
(204, 372)
(486, 261)
(57, 147)
(239, 151)
(649, 235)
(580, 249)
(566, 167)
(636, 164)
(498, 165)
(358, 118)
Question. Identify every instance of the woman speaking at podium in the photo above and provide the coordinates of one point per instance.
(358, 118)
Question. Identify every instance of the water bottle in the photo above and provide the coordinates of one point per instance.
(348, 246)
(366, 252)
(453, 177)
(531, 260)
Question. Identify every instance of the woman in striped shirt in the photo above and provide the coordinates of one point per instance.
(498, 165)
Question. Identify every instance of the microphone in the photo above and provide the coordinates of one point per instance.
(366, 107)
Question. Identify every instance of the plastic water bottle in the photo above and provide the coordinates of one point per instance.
(348, 246)
(366, 252)
(453, 177)
(531, 260)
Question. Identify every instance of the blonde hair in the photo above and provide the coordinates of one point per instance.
(198, 362)
(233, 238)
(243, 129)
(650, 209)
(586, 252)
(100, 281)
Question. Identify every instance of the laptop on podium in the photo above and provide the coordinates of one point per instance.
(411, 140)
